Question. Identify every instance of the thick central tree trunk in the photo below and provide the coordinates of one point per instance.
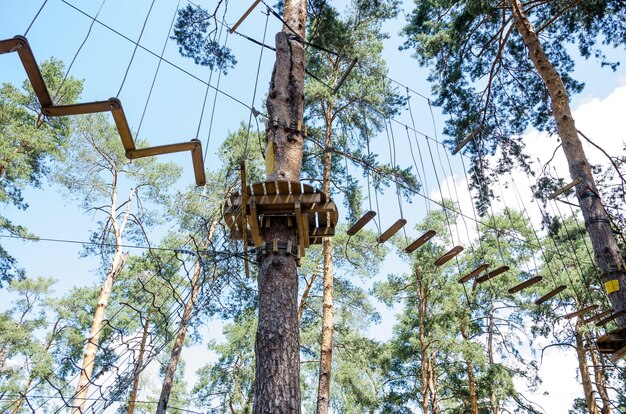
(277, 348)
(596, 218)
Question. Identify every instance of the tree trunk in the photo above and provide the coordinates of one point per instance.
(96, 330)
(172, 364)
(277, 348)
(138, 366)
(471, 377)
(596, 218)
(599, 373)
(326, 353)
(585, 376)
(495, 406)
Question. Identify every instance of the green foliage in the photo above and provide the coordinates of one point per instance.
(27, 144)
(482, 75)
(194, 39)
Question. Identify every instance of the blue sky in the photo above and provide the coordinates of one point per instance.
(174, 111)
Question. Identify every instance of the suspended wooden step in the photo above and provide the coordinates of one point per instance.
(621, 353)
(550, 295)
(564, 189)
(448, 255)
(474, 273)
(581, 312)
(492, 274)
(611, 342)
(345, 76)
(525, 284)
(598, 316)
(466, 140)
(610, 318)
(420, 241)
(360, 223)
(242, 18)
(395, 227)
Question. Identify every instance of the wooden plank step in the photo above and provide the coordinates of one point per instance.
(420, 241)
(525, 284)
(581, 311)
(449, 255)
(492, 274)
(610, 318)
(474, 273)
(395, 227)
(598, 316)
(612, 341)
(550, 295)
(360, 223)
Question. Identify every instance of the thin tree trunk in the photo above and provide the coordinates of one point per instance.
(471, 377)
(326, 353)
(596, 218)
(138, 366)
(305, 297)
(172, 364)
(277, 348)
(117, 264)
(599, 374)
(96, 330)
(432, 383)
(495, 406)
(583, 367)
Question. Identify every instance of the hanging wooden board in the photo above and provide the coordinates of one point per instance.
(611, 342)
(492, 274)
(525, 284)
(598, 316)
(610, 318)
(474, 273)
(360, 223)
(550, 295)
(448, 255)
(581, 312)
(395, 227)
(420, 241)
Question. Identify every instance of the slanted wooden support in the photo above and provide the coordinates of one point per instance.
(564, 189)
(492, 274)
(345, 76)
(598, 316)
(610, 318)
(550, 295)
(20, 45)
(449, 255)
(242, 18)
(621, 353)
(474, 273)
(466, 140)
(525, 284)
(582, 311)
(301, 225)
(395, 227)
(360, 223)
(420, 241)
(253, 220)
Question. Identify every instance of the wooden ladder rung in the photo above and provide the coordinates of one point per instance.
(610, 318)
(360, 223)
(581, 311)
(492, 274)
(550, 295)
(598, 316)
(395, 227)
(474, 273)
(525, 284)
(565, 188)
(449, 255)
(420, 241)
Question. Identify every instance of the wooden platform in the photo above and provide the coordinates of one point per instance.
(310, 210)
(612, 341)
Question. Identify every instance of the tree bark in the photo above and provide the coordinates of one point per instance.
(583, 367)
(599, 373)
(117, 264)
(596, 218)
(172, 364)
(495, 405)
(138, 366)
(471, 377)
(96, 330)
(326, 353)
(277, 348)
